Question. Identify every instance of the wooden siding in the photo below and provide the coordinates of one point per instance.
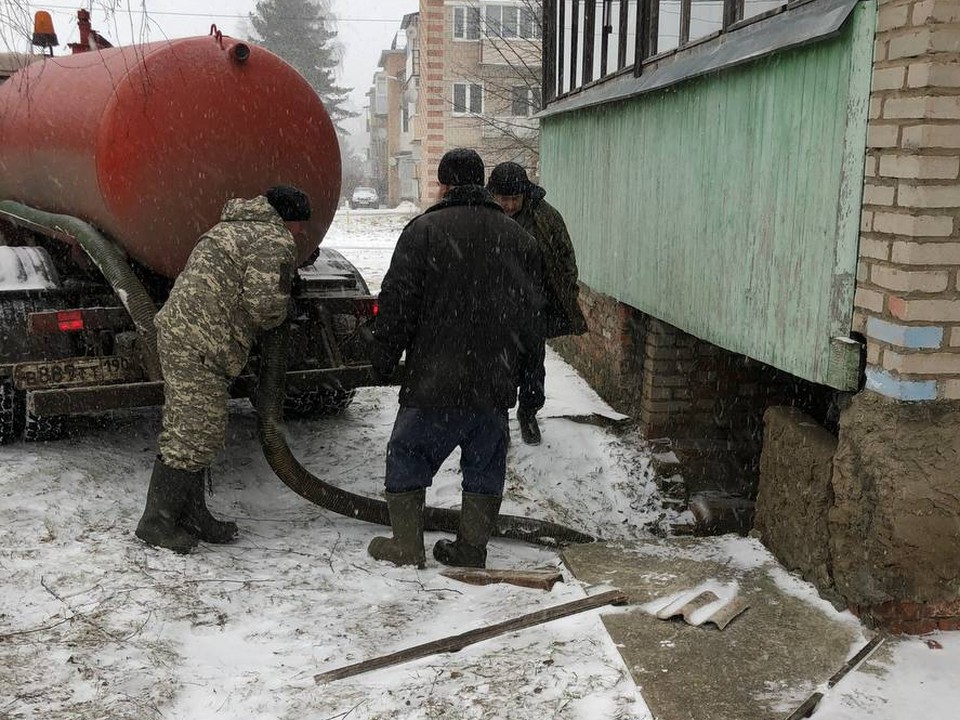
(729, 206)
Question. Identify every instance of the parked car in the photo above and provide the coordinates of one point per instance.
(365, 197)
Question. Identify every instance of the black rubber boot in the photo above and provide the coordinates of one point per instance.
(166, 498)
(406, 519)
(529, 429)
(478, 520)
(198, 520)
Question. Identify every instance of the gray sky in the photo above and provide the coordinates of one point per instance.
(365, 28)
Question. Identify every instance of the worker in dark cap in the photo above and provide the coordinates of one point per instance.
(235, 285)
(461, 298)
(524, 202)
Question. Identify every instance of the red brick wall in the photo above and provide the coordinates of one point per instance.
(911, 618)
(610, 354)
(708, 401)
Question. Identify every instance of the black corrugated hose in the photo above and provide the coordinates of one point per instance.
(269, 402)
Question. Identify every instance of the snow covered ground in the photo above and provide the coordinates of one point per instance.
(94, 624)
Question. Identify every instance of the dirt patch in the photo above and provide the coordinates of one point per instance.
(895, 524)
(796, 493)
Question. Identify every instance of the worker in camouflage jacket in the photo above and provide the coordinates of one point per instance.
(524, 201)
(235, 285)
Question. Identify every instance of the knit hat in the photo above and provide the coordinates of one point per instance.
(460, 166)
(291, 204)
(508, 178)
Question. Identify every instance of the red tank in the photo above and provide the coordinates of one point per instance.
(147, 142)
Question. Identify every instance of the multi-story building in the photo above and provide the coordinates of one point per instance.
(392, 163)
(471, 78)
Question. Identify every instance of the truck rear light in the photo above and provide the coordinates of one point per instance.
(50, 322)
(367, 307)
(70, 321)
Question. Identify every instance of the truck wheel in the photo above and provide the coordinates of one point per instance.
(11, 413)
(316, 402)
(44, 429)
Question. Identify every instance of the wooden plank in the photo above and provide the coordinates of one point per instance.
(810, 705)
(624, 26)
(574, 38)
(589, 37)
(537, 579)
(458, 642)
(685, 10)
(548, 67)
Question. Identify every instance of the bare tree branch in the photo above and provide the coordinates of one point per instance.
(516, 136)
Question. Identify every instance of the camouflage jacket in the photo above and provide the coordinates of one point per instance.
(540, 219)
(235, 284)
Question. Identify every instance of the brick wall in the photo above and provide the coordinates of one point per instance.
(610, 354)
(908, 284)
(893, 523)
(430, 100)
(444, 61)
(708, 401)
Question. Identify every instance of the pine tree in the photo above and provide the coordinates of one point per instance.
(299, 32)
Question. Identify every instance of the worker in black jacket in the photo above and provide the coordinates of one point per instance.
(462, 298)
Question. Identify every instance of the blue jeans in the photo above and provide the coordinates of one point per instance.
(423, 439)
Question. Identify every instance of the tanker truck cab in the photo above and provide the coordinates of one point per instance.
(85, 264)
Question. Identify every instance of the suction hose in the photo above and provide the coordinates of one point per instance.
(111, 262)
(269, 402)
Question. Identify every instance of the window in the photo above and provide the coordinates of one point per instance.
(752, 8)
(467, 98)
(592, 39)
(510, 21)
(466, 23)
(405, 118)
(525, 101)
(380, 99)
(529, 24)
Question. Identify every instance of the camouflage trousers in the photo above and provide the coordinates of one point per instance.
(194, 407)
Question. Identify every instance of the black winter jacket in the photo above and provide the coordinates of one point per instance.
(462, 297)
(562, 315)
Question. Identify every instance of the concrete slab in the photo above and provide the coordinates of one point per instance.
(761, 666)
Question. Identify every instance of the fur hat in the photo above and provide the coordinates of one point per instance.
(508, 178)
(291, 204)
(460, 166)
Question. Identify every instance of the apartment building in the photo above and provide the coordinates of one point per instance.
(470, 78)
(390, 110)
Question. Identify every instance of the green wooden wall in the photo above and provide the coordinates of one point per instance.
(729, 205)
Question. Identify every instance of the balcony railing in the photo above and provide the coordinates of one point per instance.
(588, 40)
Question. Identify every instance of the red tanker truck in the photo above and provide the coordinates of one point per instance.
(113, 161)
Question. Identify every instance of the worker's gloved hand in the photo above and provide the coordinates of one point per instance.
(366, 334)
(384, 366)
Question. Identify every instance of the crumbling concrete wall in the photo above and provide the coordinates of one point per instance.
(895, 523)
(796, 494)
(872, 518)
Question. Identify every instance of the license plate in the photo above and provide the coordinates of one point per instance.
(75, 371)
